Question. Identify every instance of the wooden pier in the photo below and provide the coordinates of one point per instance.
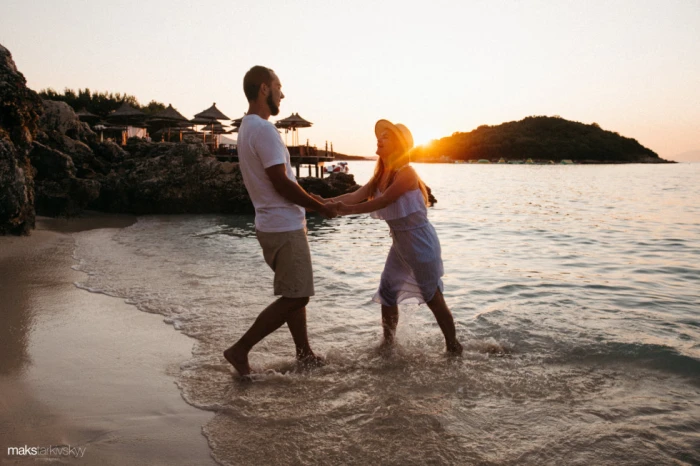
(299, 155)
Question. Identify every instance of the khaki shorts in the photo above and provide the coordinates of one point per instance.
(287, 253)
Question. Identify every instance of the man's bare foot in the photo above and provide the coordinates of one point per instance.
(455, 348)
(238, 358)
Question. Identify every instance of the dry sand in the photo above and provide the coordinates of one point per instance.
(85, 370)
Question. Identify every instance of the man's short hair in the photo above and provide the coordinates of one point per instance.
(253, 79)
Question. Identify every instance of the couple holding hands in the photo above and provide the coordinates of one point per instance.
(395, 193)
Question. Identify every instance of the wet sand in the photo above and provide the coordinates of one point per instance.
(85, 370)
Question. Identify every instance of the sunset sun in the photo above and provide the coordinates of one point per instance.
(424, 136)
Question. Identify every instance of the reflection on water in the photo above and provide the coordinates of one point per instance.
(588, 274)
(17, 318)
(27, 269)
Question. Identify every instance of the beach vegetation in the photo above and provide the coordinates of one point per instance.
(99, 103)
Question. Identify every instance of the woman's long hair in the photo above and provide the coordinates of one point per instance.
(394, 166)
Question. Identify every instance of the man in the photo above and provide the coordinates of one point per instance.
(280, 222)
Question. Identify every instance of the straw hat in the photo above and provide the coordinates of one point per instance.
(401, 132)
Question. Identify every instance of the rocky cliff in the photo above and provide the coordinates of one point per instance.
(19, 115)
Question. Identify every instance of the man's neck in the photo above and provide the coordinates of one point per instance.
(260, 109)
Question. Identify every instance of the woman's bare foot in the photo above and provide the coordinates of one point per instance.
(387, 348)
(238, 358)
(455, 348)
(387, 343)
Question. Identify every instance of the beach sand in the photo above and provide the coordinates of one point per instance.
(86, 370)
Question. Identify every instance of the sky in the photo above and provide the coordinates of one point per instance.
(439, 67)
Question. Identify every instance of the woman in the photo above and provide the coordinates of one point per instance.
(414, 266)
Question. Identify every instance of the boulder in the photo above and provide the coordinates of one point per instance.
(334, 185)
(58, 118)
(109, 152)
(19, 113)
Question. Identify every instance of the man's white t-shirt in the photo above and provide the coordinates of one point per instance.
(260, 146)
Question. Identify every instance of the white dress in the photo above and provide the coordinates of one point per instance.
(414, 265)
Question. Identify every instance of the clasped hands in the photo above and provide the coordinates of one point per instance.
(331, 209)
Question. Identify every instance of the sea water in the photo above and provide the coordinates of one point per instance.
(584, 279)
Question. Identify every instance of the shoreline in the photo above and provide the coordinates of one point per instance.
(85, 370)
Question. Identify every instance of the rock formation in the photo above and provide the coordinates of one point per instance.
(66, 166)
(19, 113)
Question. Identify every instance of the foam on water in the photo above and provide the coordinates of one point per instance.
(577, 302)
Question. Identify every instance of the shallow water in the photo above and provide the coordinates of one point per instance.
(587, 275)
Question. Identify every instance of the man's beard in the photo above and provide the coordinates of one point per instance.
(274, 109)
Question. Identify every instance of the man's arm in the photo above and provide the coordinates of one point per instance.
(291, 191)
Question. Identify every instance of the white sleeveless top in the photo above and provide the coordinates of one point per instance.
(410, 202)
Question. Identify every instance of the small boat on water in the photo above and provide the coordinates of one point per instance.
(340, 167)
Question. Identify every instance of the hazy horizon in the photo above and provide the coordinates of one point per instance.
(439, 68)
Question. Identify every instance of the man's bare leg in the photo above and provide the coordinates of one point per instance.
(269, 320)
(446, 322)
(390, 320)
(296, 322)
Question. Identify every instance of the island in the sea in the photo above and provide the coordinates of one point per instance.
(540, 139)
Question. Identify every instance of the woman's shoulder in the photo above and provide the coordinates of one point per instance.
(407, 174)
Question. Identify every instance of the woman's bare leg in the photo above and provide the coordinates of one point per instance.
(445, 321)
(390, 319)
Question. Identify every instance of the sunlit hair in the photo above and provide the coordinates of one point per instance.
(253, 79)
(395, 163)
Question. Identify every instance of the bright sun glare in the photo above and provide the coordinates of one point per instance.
(423, 137)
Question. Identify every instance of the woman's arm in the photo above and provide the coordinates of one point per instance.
(354, 197)
(406, 180)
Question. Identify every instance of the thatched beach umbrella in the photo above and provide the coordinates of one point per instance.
(128, 116)
(169, 118)
(169, 113)
(211, 114)
(216, 129)
(86, 116)
(237, 122)
(292, 123)
(200, 121)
